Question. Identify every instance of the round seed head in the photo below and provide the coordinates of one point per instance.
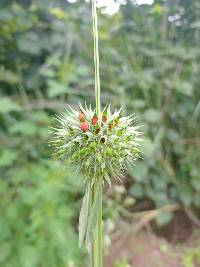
(103, 150)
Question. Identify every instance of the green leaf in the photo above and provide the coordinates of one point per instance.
(138, 172)
(57, 12)
(56, 88)
(186, 196)
(152, 115)
(196, 200)
(136, 190)
(139, 103)
(40, 117)
(93, 217)
(7, 105)
(25, 128)
(185, 88)
(196, 183)
(29, 43)
(8, 76)
(83, 217)
(4, 253)
(107, 178)
(7, 157)
(164, 218)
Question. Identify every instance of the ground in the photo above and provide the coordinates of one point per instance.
(167, 247)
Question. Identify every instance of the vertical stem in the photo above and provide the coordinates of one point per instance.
(96, 246)
(96, 58)
(92, 194)
(100, 245)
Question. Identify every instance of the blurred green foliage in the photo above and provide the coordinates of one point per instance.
(122, 263)
(150, 64)
(191, 257)
(37, 208)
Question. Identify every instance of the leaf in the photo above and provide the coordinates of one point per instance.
(8, 76)
(158, 9)
(136, 190)
(186, 196)
(185, 88)
(40, 117)
(152, 115)
(57, 12)
(93, 217)
(7, 157)
(138, 172)
(139, 103)
(4, 253)
(196, 183)
(164, 218)
(196, 200)
(27, 128)
(7, 105)
(107, 178)
(56, 89)
(83, 217)
(29, 43)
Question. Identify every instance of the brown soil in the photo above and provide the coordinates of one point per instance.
(144, 250)
(179, 230)
(162, 248)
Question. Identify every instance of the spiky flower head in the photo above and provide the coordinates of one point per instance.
(100, 146)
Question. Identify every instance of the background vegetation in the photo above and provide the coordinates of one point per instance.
(150, 64)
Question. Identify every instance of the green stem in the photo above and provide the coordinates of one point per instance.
(96, 58)
(96, 246)
(92, 194)
(100, 243)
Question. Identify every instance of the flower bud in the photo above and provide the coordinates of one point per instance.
(94, 120)
(81, 116)
(84, 126)
(104, 119)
